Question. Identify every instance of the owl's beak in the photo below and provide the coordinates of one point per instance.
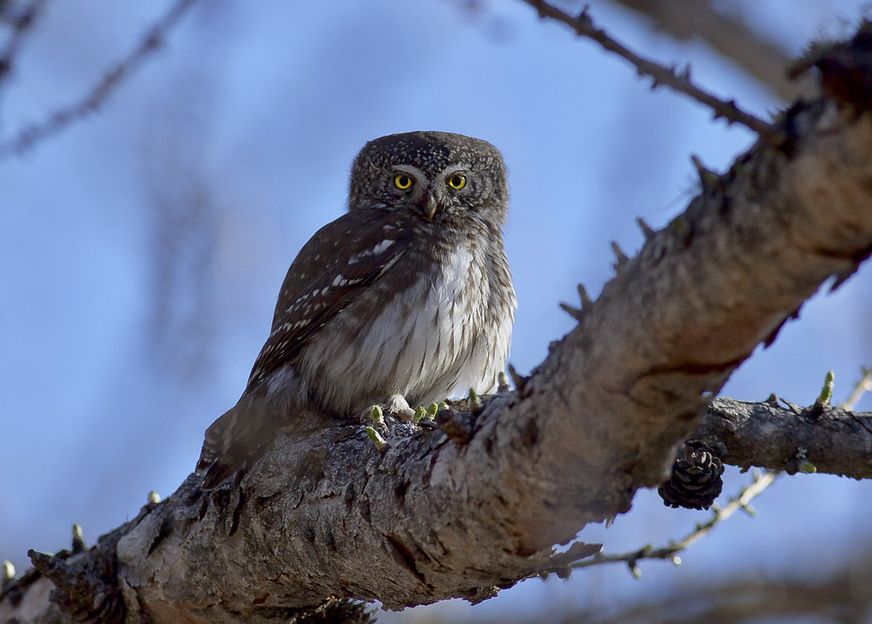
(429, 207)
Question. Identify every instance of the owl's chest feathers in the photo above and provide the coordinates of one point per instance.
(421, 340)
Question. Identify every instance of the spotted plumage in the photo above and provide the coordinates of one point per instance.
(408, 293)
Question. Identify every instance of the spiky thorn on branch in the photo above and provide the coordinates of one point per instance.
(577, 313)
(671, 551)
(621, 259)
(647, 231)
(707, 178)
(97, 95)
(679, 81)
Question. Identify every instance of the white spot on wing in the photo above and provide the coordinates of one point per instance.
(374, 251)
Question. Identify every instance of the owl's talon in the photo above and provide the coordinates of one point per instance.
(399, 407)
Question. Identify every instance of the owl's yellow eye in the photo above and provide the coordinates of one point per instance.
(403, 181)
(457, 181)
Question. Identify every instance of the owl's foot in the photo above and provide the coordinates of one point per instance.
(396, 405)
(399, 407)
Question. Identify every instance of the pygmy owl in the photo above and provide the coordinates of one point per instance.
(407, 294)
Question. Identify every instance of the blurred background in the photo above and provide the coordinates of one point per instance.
(142, 248)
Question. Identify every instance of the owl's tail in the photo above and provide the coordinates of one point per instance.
(225, 449)
(235, 441)
(238, 437)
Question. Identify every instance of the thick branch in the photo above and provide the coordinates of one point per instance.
(326, 513)
(773, 436)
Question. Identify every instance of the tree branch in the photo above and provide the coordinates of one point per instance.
(815, 439)
(97, 95)
(671, 551)
(842, 596)
(728, 36)
(22, 24)
(326, 513)
(584, 26)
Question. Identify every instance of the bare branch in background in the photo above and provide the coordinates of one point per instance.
(183, 211)
(22, 21)
(863, 386)
(805, 595)
(95, 97)
(727, 35)
(681, 82)
(671, 551)
(794, 596)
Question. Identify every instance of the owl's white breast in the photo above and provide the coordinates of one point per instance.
(424, 342)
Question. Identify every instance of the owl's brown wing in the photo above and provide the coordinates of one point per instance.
(339, 262)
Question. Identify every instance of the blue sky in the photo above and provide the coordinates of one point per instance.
(141, 251)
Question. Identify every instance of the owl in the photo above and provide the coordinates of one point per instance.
(405, 299)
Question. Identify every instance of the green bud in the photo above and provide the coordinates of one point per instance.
(807, 467)
(473, 400)
(376, 415)
(826, 394)
(78, 539)
(376, 438)
(420, 414)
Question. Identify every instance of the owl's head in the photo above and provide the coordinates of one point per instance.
(443, 177)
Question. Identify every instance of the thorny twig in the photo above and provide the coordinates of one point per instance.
(728, 35)
(584, 26)
(671, 551)
(21, 25)
(99, 92)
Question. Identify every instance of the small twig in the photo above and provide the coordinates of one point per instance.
(862, 387)
(584, 26)
(21, 25)
(102, 90)
(670, 552)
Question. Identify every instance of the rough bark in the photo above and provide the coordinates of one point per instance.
(784, 437)
(423, 518)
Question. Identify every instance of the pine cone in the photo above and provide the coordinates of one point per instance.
(695, 482)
